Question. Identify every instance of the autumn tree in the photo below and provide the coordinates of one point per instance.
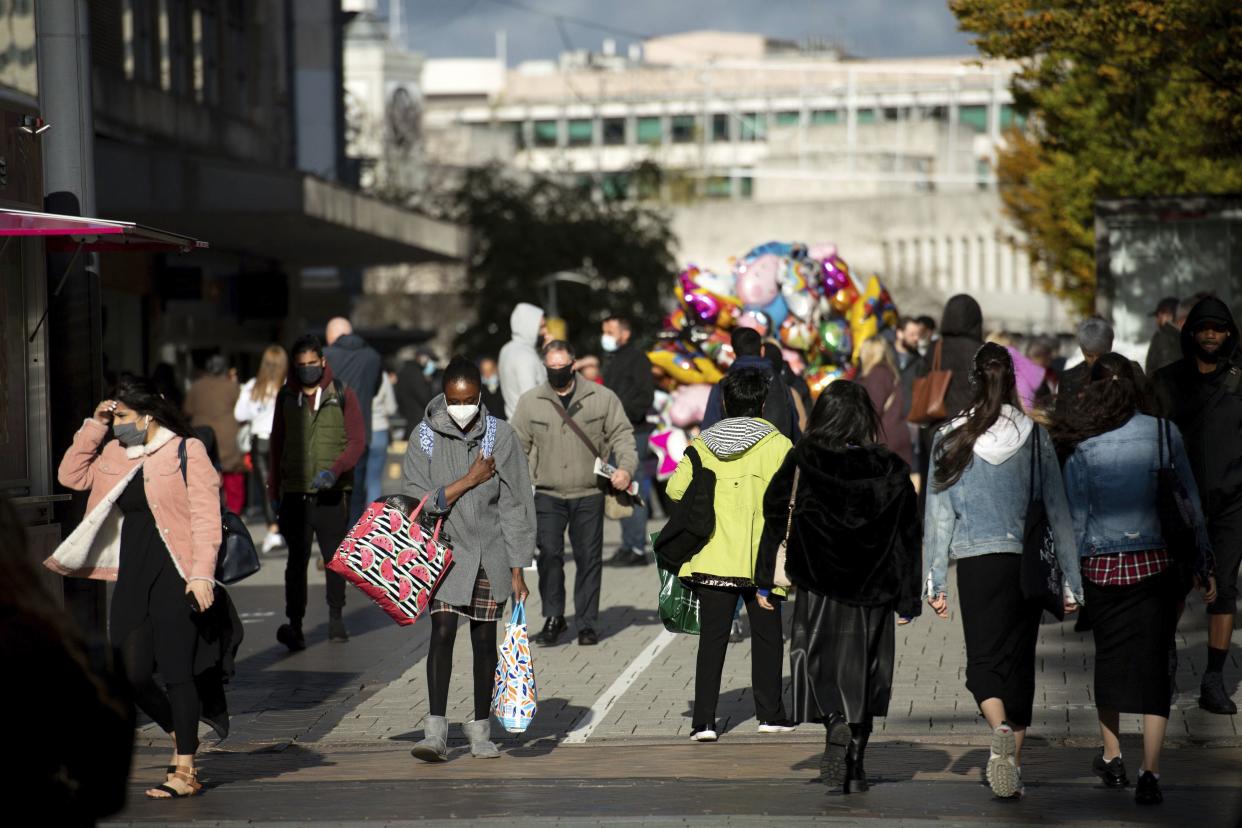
(1123, 98)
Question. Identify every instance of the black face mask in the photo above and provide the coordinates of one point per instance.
(561, 378)
(309, 375)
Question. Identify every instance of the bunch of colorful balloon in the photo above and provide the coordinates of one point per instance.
(804, 297)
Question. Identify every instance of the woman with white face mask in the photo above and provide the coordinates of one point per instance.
(473, 473)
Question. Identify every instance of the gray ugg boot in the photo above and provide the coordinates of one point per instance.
(434, 746)
(480, 735)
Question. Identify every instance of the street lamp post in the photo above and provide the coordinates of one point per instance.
(550, 282)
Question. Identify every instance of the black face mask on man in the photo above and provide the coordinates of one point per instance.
(561, 378)
(309, 375)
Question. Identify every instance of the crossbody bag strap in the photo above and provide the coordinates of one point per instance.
(936, 355)
(793, 500)
(574, 427)
(1036, 463)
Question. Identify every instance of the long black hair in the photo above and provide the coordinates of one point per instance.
(144, 397)
(843, 416)
(1111, 398)
(991, 377)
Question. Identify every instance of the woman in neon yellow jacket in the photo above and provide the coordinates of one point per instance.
(743, 451)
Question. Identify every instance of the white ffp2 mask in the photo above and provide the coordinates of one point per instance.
(463, 415)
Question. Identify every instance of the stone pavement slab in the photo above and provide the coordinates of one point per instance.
(611, 783)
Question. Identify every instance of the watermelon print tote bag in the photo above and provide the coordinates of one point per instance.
(393, 559)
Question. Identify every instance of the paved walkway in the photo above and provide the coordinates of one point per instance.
(339, 715)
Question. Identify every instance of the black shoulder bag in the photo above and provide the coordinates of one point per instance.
(693, 520)
(237, 559)
(1041, 578)
(1177, 516)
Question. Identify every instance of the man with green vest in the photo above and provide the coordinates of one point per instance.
(318, 434)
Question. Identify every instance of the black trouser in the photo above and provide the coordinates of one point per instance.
(716, 605)
(440, 662)
(358, 496)
(175, 709)
(262, 461)
(324, 517)
(584, 517)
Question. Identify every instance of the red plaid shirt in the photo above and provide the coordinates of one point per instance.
(1124, 568)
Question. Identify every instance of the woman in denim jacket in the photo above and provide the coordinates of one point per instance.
(976, 514)
(1132, 587)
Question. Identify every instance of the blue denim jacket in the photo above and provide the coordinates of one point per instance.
(1111, 484)
(984, 513)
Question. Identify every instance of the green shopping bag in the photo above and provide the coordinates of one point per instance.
(679, 605)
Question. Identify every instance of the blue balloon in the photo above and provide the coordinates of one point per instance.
(773, 247)
(777, 310)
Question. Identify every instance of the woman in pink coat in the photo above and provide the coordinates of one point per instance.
(155, 530)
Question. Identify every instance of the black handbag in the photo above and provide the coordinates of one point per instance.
(238, 558)
(1041, 578)
(693, 520)
(1177, 516)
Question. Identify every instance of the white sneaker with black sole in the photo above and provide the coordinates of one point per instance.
(778, 726)
(1002, 771)
(704, 734)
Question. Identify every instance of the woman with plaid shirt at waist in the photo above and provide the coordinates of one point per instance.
(1131, 585)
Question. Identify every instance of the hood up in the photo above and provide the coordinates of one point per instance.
(1209, 309)
(962, 317)
(735, 436)
(870, 478)
(1006, 436)
(524, 323)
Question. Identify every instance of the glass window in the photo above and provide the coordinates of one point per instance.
(546, 133)
(754, 126)
(615, 186)
(746, 186)
(1010, 118)
(649, 130)
(892, 113)
(683, 129)
(865, 116)
(614, 132)
(788, 118)
(717, 186)
(824, 116)
(581, 132)
(518, 130)
(720, 126)
(973, 116)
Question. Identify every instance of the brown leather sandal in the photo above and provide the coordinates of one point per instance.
(185, 774)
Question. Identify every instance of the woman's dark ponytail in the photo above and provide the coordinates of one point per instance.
(994, 385)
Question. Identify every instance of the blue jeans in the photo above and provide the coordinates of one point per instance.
(377, 459)
(634, 527)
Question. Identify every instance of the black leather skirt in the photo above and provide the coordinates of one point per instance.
(840, 659)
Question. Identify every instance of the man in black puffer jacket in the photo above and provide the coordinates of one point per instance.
(358, 366)
(1202, 394)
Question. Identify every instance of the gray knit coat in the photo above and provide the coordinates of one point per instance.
(493, 524)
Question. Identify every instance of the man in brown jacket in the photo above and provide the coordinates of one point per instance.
(568, 493)
(210, 404)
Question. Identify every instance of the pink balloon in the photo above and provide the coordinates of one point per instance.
(757, 320)
(822, 250)
(757, 281)
(689, 405)
(794, 358)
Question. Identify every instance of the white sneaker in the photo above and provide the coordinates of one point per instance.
(778, 726)
(1002, 771)
(269, 543)
(706, 734)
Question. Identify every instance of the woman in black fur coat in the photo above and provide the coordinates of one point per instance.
(854, 553)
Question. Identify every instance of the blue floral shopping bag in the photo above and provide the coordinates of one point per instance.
(515, 699)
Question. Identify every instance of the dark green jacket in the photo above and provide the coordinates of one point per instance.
(314, 433)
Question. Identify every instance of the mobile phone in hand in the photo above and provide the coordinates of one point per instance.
(193, 602)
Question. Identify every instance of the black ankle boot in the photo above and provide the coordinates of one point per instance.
(855, 775)
(834, 764)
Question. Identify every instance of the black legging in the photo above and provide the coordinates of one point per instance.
(440, 662)
(175, 710)
(262, 461)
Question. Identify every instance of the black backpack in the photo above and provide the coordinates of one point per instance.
(693, 520)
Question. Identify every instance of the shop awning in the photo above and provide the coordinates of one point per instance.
(93, 234)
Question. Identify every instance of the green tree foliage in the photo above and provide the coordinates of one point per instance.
(524, 228)
(1125, 98)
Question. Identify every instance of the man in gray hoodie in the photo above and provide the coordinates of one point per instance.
(521, 367)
